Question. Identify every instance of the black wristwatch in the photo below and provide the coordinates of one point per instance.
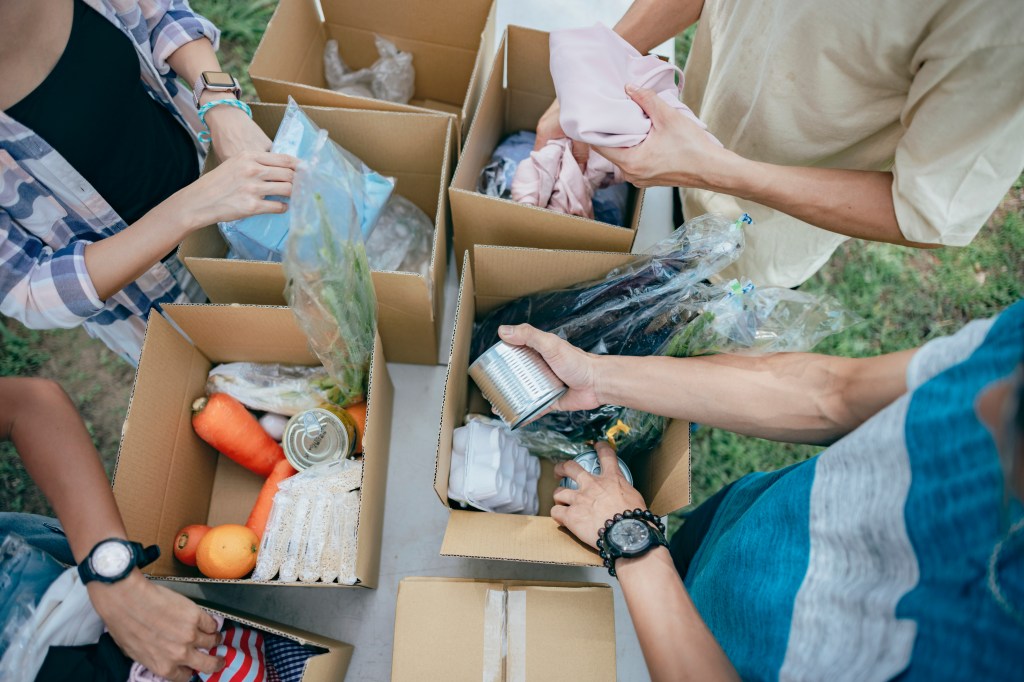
(630, 534)
(113, 559)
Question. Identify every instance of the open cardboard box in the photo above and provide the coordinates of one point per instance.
(329, 666)
(451, 42)
(415, 149)
(499, 275)
(466, 630)
(166, 477)
(518, 91)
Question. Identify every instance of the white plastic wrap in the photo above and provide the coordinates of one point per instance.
(392, 77)
(270, 387)
(348, 526)
(402, 239)
(320, 523)
(274, 543)
(491, 470)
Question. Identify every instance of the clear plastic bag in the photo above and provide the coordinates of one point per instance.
(316, 539)
(263, 237)
(402, 239)
(392, 77)
(328, 283)
(271, 387)
(274, 542)
(348, 526)
(491, 470)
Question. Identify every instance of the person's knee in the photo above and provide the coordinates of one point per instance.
(44, 392)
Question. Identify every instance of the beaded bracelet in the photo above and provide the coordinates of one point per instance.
(642, 515)
(203, 110)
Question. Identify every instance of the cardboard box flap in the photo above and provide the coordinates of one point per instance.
(458, 23)
(579, 622)
(491, 105)
(295, 23)
(166, 481)
(244, 333)
(295, 634)
(512, 537)
(529, 70)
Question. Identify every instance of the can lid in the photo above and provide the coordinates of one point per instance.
(315, 436)
(591, 463)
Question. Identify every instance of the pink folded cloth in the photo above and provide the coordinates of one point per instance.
(591, 68)
(551, 178)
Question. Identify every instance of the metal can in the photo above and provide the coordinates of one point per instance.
(592, 464)
(517, 383)
(315, 436)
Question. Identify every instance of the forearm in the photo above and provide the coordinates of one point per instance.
(791, 397)
(41, 421)
(649, 23)
(191, 59)
(676, 642)
(116, 261)
(854, 203)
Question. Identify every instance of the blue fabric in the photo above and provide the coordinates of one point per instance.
(26, 572)
(262, 237)
(42, 532)
(286, 657)
(953, 517)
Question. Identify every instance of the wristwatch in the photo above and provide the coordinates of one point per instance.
(630, 534)
(113, 559)
(215, 81)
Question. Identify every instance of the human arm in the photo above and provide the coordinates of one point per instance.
(676, 642)
(57, 451)
(645, 25)
(791, 397)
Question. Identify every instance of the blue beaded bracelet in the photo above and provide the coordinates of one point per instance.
(203, 110)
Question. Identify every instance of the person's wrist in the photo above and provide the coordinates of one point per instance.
(130, 584)
(179, 212)
(625, 568)
(726, 172)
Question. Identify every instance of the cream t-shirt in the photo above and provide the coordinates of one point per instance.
(932, 90)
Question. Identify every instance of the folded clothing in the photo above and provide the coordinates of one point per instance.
(551, 178)
(591, 68)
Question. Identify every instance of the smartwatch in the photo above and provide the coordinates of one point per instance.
(630, 534)
(215, 81)
(113, 559)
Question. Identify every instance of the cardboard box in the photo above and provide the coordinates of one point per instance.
(499, 275)
(415, 149)
(518, 91)
(451, 42)
(467, 630)
(166, 477)
(329, 666)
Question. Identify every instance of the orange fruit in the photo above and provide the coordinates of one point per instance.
(227, 552)
(187, 542)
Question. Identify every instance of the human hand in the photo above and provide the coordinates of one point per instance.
(159, 628)
(599, 498)
(677, 152)
(576, 368)
(232, 132)
(550, 128)
(237, 189)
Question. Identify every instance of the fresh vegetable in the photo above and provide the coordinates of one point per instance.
(274, 425)
(272, 387)
(224, 423)
(187, 542)
(227, 552)
(257, 522)
(358, 412)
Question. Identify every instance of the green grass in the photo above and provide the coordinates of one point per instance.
(242, 25)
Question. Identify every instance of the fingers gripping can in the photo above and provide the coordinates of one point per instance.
(318, 435)
(517, 383)
(592, 465)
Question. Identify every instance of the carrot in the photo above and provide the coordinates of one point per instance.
(358, 412)
(224, 423)
(260, 513)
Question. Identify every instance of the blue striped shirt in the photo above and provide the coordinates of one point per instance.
(49, 213)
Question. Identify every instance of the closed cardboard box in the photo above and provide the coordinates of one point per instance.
(166, 477)
(330, 665)
(500, 275)
(416, 150)
(518, 91)
(495, 630)
(451, 42)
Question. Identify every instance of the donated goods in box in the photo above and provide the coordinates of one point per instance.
(585, 208)
(655, 304)
(413, 55)
(198, 469)
(405, 235)
(497, 630)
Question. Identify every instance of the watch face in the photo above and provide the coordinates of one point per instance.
(218, 79)
(111, 559)
(630, 535)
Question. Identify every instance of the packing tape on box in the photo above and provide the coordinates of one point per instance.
(505, 636)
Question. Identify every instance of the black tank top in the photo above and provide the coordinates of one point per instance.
(94, 110)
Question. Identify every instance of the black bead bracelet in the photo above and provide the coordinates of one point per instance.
(640, 514)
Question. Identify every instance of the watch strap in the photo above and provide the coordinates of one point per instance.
(200, 86)
(141, 557)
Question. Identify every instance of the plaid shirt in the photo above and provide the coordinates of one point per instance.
(49, 212)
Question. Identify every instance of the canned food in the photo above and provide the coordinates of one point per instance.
(592, 464)
(315, 436)
(517, 382)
